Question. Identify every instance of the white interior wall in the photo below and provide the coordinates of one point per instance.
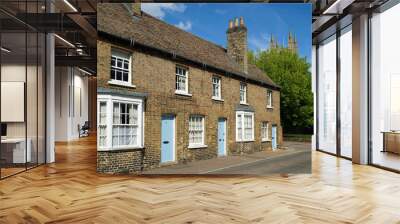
(71, 102)
(61, 103)
(33, 126)
(14, 73)
(80, 110)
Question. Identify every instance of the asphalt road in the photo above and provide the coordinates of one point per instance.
(293, 158)
(296, 162)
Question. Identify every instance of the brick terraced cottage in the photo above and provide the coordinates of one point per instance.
(166, 96)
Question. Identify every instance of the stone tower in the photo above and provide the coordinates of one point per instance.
(273, 44)
(292, 43)
(237, 42)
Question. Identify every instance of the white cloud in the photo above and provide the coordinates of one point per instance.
(184, 25)
(160, 9)
(259, 42)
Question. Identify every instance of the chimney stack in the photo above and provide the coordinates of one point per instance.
(237, 42)
(136, 8)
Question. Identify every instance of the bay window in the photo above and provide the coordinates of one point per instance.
(125, 124)
(244, 126)
(120, 122)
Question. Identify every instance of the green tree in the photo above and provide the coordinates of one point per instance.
(292, 74)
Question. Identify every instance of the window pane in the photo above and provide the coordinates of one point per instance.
(103, 107)
(126, 64)
(119, 63)
(181, 79)
(346, 92)
(196, 130)
(327, 95)
(112, 74)
(239, 126)
(116, 113)
(216, 87)
(120, 67)
(115, 136)
(385, 88)
(125, 77)
(242, 92)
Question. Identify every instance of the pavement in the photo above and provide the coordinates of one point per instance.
(291, 158)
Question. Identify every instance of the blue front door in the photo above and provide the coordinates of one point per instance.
(274, 138)
(221, 137)
(167, 138)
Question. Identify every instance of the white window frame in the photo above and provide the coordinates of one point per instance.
(269, 98)
(110, 99)
(124, 56)
(265, 131)
(186, 76)
(202, 143)
(243, 89)
(240, 135)
(216, 81)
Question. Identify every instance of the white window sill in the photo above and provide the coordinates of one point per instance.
(270, 107)
(244, 103)
(245, 140)
(124, 84)
(120, 148)
(217, 99)
(197, 146)
(182, 93)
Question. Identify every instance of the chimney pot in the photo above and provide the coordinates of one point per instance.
(136, 8)
(230, 24)
(236, 22)
(241, 21)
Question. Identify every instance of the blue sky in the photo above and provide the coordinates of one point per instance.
(210, 21)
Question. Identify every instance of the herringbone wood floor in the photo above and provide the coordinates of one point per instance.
(70, 191)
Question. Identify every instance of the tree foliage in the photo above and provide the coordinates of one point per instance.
(292, 74)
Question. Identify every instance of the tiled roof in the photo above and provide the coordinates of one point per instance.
(115, 19)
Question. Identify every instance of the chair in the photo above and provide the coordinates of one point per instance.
(84, 130)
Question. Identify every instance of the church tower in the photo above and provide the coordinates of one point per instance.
(292, 43)
(273, 44)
